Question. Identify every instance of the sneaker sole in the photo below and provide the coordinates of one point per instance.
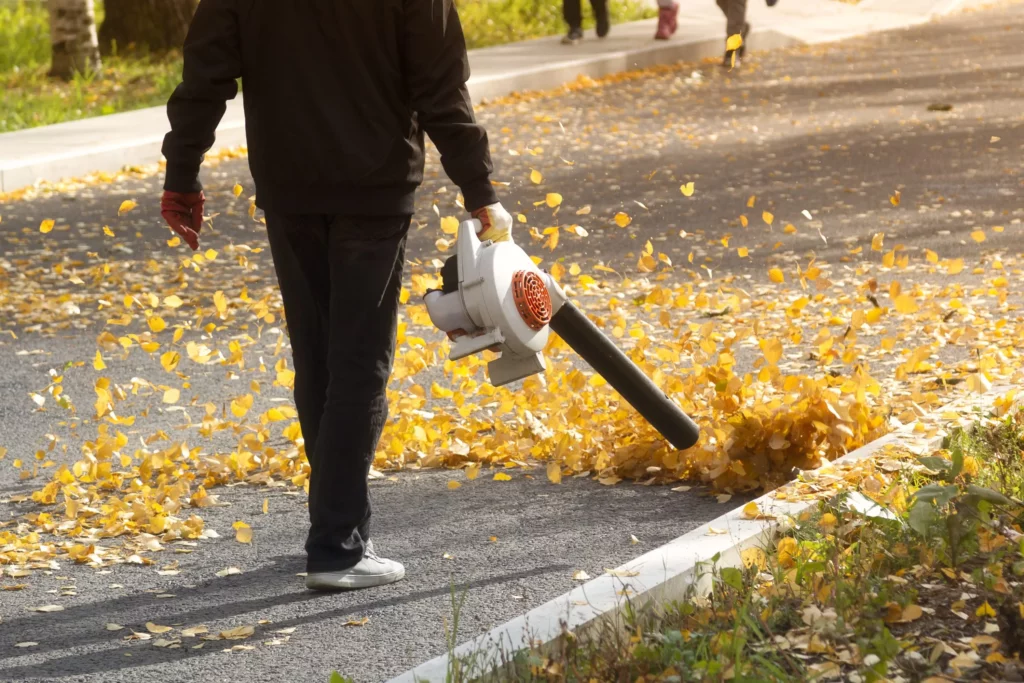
(354, 582)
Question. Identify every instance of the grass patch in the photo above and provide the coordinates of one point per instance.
(136, 80)
(917, 577)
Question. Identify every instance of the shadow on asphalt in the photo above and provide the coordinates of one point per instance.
(78, 626)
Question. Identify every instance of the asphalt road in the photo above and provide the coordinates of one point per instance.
(833, 130)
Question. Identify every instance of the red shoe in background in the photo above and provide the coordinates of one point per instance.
(667, 22)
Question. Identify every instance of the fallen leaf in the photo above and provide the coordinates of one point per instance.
(687, 189)
(114, 627)
(580, 575)
(157, 628)
(45, 227)
(237, 633)
(357, 622)
(126, 206)
(47, 608)
(243, 532)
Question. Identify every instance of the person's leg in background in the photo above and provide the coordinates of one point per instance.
(573, 14)
(735, 12)
(668, 12)
(356, 306)
(601, 17)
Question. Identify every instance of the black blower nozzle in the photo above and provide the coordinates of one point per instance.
(586, 339)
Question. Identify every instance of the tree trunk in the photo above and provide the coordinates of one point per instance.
(157, 25)
(73, 37)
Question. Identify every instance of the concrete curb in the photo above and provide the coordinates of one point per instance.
(670, 571)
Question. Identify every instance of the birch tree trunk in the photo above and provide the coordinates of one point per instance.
(73, 37)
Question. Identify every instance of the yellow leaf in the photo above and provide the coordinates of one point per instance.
(97, 362)
(266, 505)
(687, 189)
(46, 226)
(449, 225)
(473, 471)
(751, 510)
(742, 252)
(911, 613)
(906, 304)
(535, 177)
(357, 622)
(776, 276)
(955, 267)
(787, 552)
(768, 217)
(754, 557)
(978, 236)
(170, 360)
(220, 302)
(240, 406)
(157, 324)
(622, 220)
(985, 610)
(734, 42)
(126, 206)
(553, 199)
(107, 231)
(173, 301)
(171, 395)
(243, 532)
(584, 211)
(895, 198)
(931, 256)
(174, 241)
(501, 476)
(156, 628)
(877, 241)
(789, 229)
(237, 190)
(743, 221)
(554, 472)
(772, 350)
(452, 485)
(751, 201)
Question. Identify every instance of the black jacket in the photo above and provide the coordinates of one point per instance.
(337, 95)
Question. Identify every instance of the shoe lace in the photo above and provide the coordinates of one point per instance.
(370, 552)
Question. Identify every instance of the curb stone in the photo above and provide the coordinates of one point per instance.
(667, 573)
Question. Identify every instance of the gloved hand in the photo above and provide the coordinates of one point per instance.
(496, 223)
(183, 211)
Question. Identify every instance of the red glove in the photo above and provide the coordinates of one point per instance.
(183, 211)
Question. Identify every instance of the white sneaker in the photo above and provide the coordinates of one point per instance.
(371, 571)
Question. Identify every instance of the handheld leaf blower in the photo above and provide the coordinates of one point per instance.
(494, 297)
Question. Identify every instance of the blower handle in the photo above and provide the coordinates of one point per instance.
(586, 339)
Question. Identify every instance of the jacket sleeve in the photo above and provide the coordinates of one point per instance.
(436, 69)
(212, 63)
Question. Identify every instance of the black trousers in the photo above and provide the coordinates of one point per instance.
(573, 13)
(340, 279)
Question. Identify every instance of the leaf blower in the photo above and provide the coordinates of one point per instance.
(493, 297)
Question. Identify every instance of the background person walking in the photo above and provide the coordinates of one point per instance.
(735, 12)
(573, 13)
(668, 12)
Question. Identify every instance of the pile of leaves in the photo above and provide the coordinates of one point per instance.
(914, 573)
(810, 395)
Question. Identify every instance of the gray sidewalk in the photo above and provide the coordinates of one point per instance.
(133, 138)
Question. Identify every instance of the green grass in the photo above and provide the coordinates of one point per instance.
(139, 80)
(931, 590)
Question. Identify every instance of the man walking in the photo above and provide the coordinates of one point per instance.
(337, 98)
